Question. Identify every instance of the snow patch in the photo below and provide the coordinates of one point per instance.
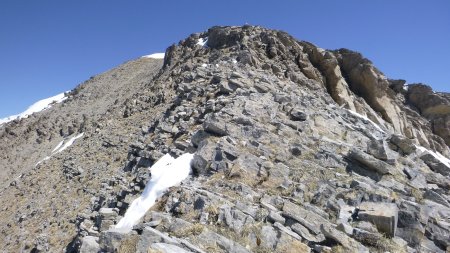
(154, 56)
(366, 119)
(67, 144)
(36, 107)
(61, 147)
(166, 172)
(202, 41)
(45, 159)
(436, 155)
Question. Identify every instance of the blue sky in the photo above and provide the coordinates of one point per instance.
(47, 47)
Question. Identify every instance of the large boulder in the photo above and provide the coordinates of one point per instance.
(89, 244)
(404, 144)
(436, 163)
(370, 162)
(383, 215)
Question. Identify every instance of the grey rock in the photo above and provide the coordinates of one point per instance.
(233, 218)
(275, 217)
(304, 233)
(370, 162)
(297, 115)
(89, 244)
(366, 237)
(411, 218)
(427, 245)
(417, 179)
(287, 231)
(380, 150)
(215, 126)
(404, 144)
(111, 240)
(383, 215)
(436, 197)
(168, 248)
(150, 236)
(107, 213)
(269, 237)
(340, 237)
(346, 228)
(211, 239)
(435, 164)
(306, 218)
(203, 157)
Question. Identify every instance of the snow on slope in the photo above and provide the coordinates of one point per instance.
(366, 119)
(166, 172)
(36, 107)
(436, 155)
(155, 56)
(64, 144)
(67, 144)
(202, 41)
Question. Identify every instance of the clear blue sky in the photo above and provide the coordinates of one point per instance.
(47, 47)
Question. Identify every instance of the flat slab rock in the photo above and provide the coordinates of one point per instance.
(383, 215)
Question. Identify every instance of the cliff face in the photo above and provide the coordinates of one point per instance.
(296, 149)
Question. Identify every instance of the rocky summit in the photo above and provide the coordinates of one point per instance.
(295, 149)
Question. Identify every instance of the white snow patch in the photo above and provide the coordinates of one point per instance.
(234, 61)
(58, 146)
(436, 155)
(366, 119)
(66, 144)
(204, 65)
(166, 172)
(155, 56)
(36, 107)
(202, 41)
(45, 159)
(61, 147)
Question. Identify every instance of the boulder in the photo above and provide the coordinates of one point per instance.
(298, 115)
(269, 237)
(211, 239)
(107, 213)
(436, 197)
(341, 238)
(404, 144)
(150, 236)
(215, 126)
(380, 150)
(111, 240)
(383, 215)
(370, 162)
(198, 137)
(435, 164)
(167, 248)
(89, 244)
(305, 217)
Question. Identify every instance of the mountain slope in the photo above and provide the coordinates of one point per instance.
(44, 194)
(289, 140)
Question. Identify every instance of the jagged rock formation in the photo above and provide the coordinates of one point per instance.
(297, 149)
(433, 106)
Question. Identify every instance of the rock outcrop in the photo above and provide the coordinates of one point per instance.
(296, 149)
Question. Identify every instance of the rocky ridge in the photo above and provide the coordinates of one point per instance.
(297, 149)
